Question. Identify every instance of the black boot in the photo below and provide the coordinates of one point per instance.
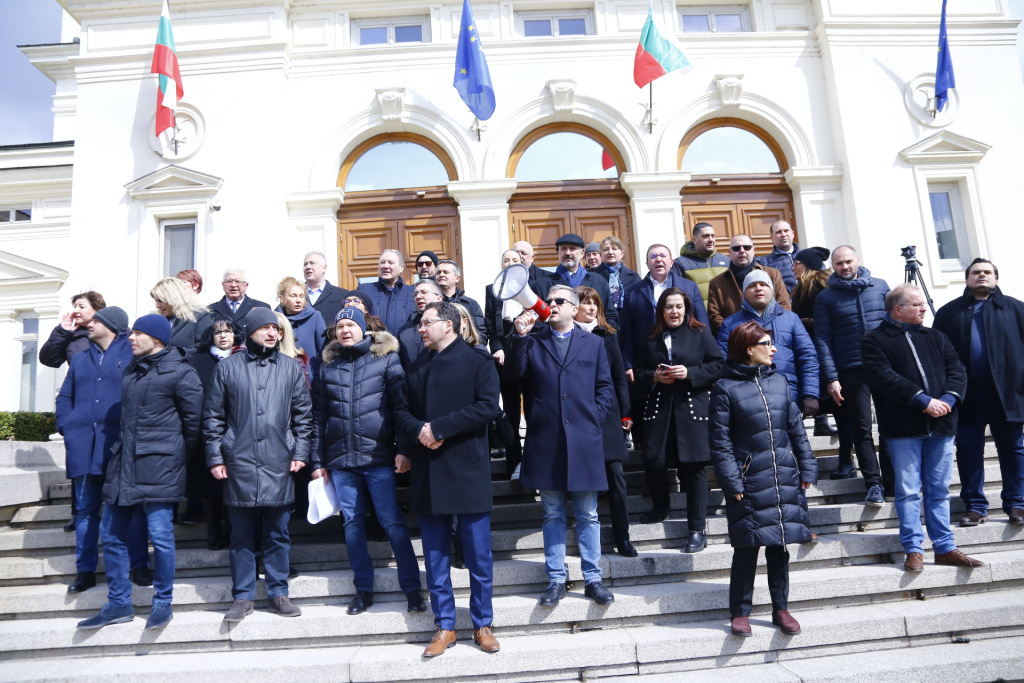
(845, 469)
(698, 541)
(823, 428)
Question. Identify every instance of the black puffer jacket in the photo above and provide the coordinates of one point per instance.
(354, 399)
(161, 406)
(63, 345)
(760, 449)
(256, 420)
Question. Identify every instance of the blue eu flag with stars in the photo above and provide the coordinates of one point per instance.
(472, 79)
(944, 79)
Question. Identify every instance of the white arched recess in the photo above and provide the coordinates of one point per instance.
(313, 212)
(817, 194)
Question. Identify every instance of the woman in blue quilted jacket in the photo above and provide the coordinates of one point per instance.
(762, 458)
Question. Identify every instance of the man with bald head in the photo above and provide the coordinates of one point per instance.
(852, 305)
(781, 257)
(525, 251)
(724, 294)
(324, 297)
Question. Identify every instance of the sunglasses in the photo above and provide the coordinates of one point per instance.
(767, 343)
(557, 301)
(742, 247)
(424, 263)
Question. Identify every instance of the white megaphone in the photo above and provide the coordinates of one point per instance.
(514, 283)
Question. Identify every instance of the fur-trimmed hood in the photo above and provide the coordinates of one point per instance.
(379, 344)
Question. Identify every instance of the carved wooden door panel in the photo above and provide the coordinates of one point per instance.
(370, 222)
(739, 205)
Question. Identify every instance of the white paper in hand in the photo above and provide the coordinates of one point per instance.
(323, 501)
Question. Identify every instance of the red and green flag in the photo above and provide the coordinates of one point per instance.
(165, 63)
(656, 55)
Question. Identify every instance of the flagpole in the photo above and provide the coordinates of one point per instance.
(650, 107)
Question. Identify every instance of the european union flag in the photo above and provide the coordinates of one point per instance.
(472, 79)
(944, 79)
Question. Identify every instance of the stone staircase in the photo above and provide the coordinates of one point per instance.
(863, 618)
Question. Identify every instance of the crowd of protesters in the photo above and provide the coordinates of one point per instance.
(708, 360)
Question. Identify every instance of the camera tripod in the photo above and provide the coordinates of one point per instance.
(912, 273)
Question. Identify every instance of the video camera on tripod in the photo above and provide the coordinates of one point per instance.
(912, 273)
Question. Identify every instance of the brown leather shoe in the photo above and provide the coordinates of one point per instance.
(442, 641)
(786, 623)
(1016, 516)
(914, 563)
(741, 627)
(973, 518)
(955, 558)
(485, 639)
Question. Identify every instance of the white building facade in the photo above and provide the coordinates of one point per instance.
(283, 97)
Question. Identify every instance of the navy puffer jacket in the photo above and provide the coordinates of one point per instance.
(355, 396)
(781, 261)
(795, 357)
(760, 449)
(843, 313)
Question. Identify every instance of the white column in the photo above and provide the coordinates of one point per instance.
(10, 367)
(483, 228)
(657, 210)
(48, 380)
(313, 215)
(818, 203)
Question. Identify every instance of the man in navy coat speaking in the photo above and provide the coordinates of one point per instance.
(568, 370)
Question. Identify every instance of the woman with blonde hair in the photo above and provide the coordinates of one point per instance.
(305, 322)
(189, 318)
(469, 331)
(289, 347)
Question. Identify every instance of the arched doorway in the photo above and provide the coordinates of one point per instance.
(567, 177)
(738, 182)
(395, 198)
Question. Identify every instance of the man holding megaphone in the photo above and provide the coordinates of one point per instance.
(572, 392)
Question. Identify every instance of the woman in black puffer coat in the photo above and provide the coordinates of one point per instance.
(762, 458)
(356, 391)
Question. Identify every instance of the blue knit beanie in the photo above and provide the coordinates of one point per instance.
(353, 314)
(156, 326)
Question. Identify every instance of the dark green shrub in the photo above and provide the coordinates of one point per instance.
(27, 426)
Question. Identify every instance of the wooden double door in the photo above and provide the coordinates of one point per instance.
(542, 212)
(370, 222)
(739, 205)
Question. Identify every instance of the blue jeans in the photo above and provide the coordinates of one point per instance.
(475, 533)
(352, 487)
(88, 500)
(115, 530)
(276, 547)
(923, 463)
(970, 454)
(588, 534)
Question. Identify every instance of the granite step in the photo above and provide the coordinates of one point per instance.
(979, 637)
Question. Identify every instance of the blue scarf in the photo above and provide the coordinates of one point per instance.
(573, 280)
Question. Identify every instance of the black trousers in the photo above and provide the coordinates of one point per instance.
(855, 414)
(511, 390)
(744, 569)
(617, 501)
(693, 481)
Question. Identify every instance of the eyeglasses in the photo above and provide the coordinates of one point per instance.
(557, 301)
(220, 332)
(353, 300)
(424, 263)
(742, 247)
(424, 324)
(767, 343)
(234, 282)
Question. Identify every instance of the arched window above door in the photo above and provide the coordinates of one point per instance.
(730, 147)
(396, 161)
(564, 151)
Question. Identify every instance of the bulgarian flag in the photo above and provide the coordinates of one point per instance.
(165, 63)
(655, 55)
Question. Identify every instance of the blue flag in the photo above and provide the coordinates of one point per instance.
(944, 79)
(472, 79)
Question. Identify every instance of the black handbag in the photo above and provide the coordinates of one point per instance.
(501, 431)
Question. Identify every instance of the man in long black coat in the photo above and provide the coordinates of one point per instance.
(986, 328)
(572, 392)
(453, 396)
